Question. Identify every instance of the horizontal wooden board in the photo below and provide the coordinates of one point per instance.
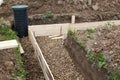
(58, 29)
(8, 44)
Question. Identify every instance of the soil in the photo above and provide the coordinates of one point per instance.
(105, 40)
(31, 65)
(8, 61)
(58, 59)
(54, 19)
(86, 67)
(97, 11)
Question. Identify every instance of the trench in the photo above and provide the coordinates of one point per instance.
(58, 59)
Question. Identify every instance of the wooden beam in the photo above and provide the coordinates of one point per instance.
(93, 25)
(61, 29)
(47, 30)
(45, 68)
(8, 44)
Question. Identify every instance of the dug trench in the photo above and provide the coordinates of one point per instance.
(58, 59)
(78, 55)
(68, 61)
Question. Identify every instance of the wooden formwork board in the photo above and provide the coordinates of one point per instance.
(46, 30)
(45, 68)
(8, 44)
(59, 29)
(56, 31)
(86, 25)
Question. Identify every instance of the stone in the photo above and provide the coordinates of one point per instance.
(95, 7)
(60, 2)
(9, 64)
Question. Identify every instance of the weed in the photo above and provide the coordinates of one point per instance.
(89, 31)
(81, 44)
(70, 32)
(48, 15)
(114, 74)
(63, 15)
(109, 24)
(19, 71)
(87, 38)
(91, 56)
(98, 57)
(101, 60)
(76, 38)
(7, 33)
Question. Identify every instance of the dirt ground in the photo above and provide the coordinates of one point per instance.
(31, 65)
(98, 10)
(105, 40)
(8, 61)
(58, 59)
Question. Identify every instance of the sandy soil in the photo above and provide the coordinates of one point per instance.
(58, 59)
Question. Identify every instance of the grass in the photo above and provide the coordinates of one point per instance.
(109, 24)
(70, 32)
(81, 44)
(63, 15)
(19, 71)
(97, 57)
(91, 56)
(48, 15)
(7, 33)
(87, 38)
(101, 60)
(114, 74)
(90, 31)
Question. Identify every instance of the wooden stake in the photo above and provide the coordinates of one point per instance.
(73, 19)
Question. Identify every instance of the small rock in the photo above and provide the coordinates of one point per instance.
(60, 2)
(95, 43)
(9, 64)
(19, 78)
(95, 7)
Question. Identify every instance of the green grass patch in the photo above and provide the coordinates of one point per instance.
(109, 24)
(19, 71)
(48, 15)
(91, 56)
(7, 33)
(90, 31)
(114, 74)
(101, 60)
(70, 32)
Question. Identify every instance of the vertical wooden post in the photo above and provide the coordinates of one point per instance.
(73, 19)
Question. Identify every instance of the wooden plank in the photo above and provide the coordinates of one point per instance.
(47, 30)
(8, 44)
(46, 70)
(84, 26)
(55, 29)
